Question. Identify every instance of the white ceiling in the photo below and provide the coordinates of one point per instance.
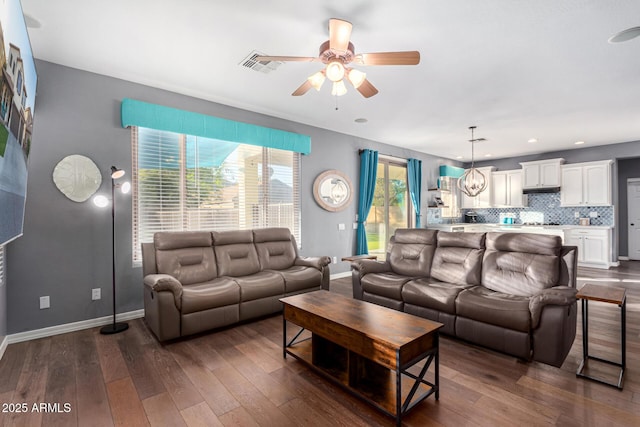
(517, 69)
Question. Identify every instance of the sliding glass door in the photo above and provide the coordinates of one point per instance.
(391, 207)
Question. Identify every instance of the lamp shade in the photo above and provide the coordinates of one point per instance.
(356, 77)
(317, 80)
(339, 88)
(335, 70)
(116, 173)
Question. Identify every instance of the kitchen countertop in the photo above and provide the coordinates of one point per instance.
(518, 226)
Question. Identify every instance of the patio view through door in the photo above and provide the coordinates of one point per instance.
(391, 208)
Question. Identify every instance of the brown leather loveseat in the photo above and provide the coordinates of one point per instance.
(512, 292)
(199, 280)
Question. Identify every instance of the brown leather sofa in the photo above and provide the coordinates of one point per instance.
(512, 292)
(195, 281)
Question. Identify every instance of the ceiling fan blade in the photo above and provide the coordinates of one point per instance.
(304, 88)
(367, 89)
(339, 34)
(389, 58)
(286, 58)
(623, 36)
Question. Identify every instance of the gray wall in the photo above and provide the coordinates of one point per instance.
(3, 311)
(65, 250)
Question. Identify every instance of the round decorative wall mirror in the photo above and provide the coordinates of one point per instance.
(77, 177)
(333, 190)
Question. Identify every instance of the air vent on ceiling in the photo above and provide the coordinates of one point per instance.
(262, 66)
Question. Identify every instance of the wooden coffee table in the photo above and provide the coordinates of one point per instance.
(365, 348)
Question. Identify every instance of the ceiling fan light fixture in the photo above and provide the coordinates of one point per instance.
(335, 70)
(317, 80)
(339, 88)
(356, 77)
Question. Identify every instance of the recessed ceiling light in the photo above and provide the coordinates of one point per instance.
(532, 140)
(579, 142)
(361, 120)
(458, 157)
(487, 155)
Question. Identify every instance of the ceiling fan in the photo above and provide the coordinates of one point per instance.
(337, 53)
(624, 35)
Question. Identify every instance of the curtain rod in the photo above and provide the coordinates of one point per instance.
(384, 155)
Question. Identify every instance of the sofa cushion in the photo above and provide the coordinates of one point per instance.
(411, 251)
(458, 258)
(260, 285)
(297, 278)
(432, 294)
(521, 263)
(495, 308)
(385, 284)
(276, 250)
(235, 253)
(216, 293)
(187, 256)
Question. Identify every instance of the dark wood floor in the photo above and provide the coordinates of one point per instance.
(238, 377)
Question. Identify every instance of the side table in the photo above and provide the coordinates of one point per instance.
(609, 295)
(357, 257)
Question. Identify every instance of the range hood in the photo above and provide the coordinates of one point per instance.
(541, 190)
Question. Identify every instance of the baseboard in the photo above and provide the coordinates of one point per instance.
(3, 346)
(340, 275)
(69, 327)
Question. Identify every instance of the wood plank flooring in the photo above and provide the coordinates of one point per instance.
(237, 377)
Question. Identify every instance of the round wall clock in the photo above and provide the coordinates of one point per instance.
(77, 177)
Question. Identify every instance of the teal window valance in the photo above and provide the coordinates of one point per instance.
(144, 114)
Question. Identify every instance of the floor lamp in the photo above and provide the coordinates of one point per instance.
(102, 201)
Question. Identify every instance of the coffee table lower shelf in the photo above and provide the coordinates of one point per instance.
(368, 380)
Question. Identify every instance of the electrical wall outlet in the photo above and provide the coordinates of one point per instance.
(44, 302)
(341, 227)
(335, 259)
(593, 214)
(355, 225)
(576, 214)
(96, 294)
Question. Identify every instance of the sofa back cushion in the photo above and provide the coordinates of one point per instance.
(235, 253)
(411, 251)
(521, 263)
(276, 250)
(185, 255)
(458, 258)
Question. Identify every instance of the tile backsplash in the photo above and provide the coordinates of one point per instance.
(543, 208)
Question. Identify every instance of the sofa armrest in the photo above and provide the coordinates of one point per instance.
(558, 295)
(366, 266)
(316, 262)
(165, 282)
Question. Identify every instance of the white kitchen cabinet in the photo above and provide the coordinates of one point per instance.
(586, 184)
(507, 189)
(594, 246)
(541, 174)
(484, 199)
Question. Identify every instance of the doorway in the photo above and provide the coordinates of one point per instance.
(391, 208)
(633, 208)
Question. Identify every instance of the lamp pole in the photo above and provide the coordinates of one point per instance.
(114, 328)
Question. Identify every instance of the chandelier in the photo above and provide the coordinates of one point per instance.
(472, 182)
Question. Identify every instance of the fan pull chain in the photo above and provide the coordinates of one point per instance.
(336, 97)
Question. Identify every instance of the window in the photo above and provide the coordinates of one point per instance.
(391, 208)
(184, 182)
(1, 265)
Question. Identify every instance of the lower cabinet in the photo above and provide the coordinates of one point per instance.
(594, 246)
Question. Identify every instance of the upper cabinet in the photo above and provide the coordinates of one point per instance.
(541, 174)
(507, 189)
(586, 184)
(484, 199)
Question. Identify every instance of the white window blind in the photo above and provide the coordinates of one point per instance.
(184, 182)
(2, 279)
